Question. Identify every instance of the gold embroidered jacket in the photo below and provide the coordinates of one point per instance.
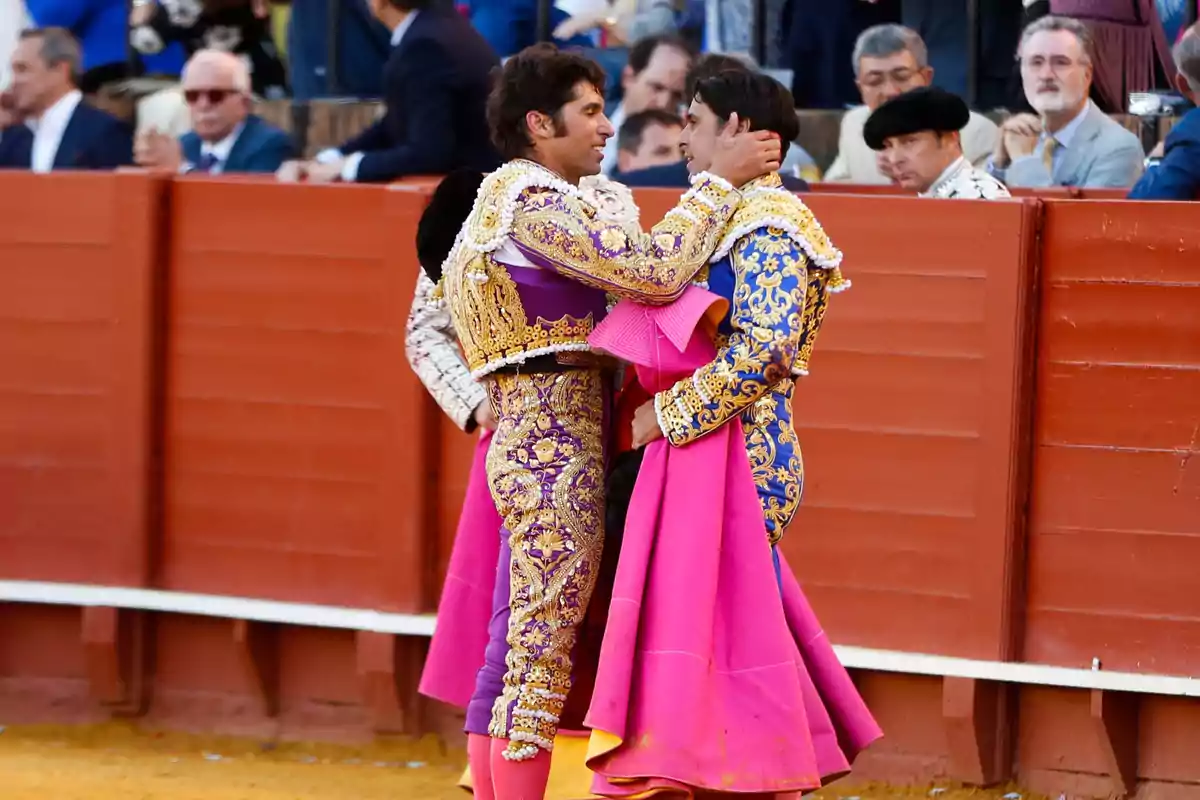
(777, 268)
(537, 255)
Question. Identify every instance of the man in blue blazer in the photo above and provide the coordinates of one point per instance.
(1176, 176)
(225, 136)
(436, 85)
(55, 129)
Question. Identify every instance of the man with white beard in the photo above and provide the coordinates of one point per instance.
(1070, 142)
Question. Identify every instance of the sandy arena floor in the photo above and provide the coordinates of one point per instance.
(113, 761)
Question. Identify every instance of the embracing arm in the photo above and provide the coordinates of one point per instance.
(434, 356)
(554, 232)
(768, 306)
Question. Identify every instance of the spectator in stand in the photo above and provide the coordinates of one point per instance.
(225, 136)
(1070, 142)
(1176, 175)
(676, 174)
(361, 52)
(653, 78)
(917, 136)
(510, 26)
(648, 139)
(818, 38)
(237, 26)
(14, 18)
(888, 61)
(436, 83)
(59, 131)
(100, 28)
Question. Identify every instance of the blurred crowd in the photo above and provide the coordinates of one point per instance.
(1051, 74)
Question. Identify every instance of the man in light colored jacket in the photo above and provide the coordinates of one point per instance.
(888, 61)
(1070, 141)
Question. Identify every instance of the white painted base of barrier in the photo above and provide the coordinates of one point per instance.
(423, 625)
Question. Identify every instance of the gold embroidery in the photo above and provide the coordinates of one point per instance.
(650, 268)
(766, 311)
(545, 468)
(552, 221)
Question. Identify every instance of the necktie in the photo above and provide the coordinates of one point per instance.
(208, 163)
(1048, 148)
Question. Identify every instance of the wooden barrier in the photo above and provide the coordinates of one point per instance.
(292, 427)
(78, 341)
(301, 461)
(1116, 486)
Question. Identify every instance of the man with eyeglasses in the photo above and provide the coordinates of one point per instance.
(888, 61)
(225, 136)
(1069, 141)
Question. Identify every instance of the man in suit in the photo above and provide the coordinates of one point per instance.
(59, 130)
(1176, 175)
(655, 77)
(888, 61)
(1069, 142)
(649, 138)
(436, 83)
(225, 136)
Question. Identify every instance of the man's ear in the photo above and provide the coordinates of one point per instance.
(627, 76)
(541, 126)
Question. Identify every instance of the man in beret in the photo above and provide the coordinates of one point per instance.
(917, 137)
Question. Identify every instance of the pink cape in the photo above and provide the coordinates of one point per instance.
(461, 635)
(710, 676)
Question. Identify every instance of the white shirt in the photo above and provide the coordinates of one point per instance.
(609, 162)
(48, 130)
(350, 167)
(961, 181)
(218, 150)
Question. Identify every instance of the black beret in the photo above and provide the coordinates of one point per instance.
(440, 222)
(927, 108)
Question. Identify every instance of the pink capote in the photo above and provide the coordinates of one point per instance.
(461, 635)
(708, 678)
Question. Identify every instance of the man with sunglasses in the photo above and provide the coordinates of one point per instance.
(225, 136)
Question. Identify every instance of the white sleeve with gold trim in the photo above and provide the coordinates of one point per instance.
(434, 355)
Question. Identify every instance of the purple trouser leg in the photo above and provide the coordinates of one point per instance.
(489, 681)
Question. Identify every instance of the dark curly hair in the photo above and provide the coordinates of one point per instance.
(539, 78)
(756, 98)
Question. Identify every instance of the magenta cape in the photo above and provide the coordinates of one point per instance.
(461, 635)
(711, 676)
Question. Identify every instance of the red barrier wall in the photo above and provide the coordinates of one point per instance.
(294, 433)
(301, 460)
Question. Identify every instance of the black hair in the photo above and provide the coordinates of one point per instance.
(756, 98)
(539, 78)
(442, 218)
(629, 138)
(644, 49)
(708, 66)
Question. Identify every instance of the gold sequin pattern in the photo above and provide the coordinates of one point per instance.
(651, 268)
(545, 468)
(766, 312)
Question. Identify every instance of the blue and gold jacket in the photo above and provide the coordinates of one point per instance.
(777, 268)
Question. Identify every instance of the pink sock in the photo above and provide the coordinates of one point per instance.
(479, 756)
(519, 780)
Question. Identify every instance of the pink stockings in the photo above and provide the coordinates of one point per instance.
(496, 778)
